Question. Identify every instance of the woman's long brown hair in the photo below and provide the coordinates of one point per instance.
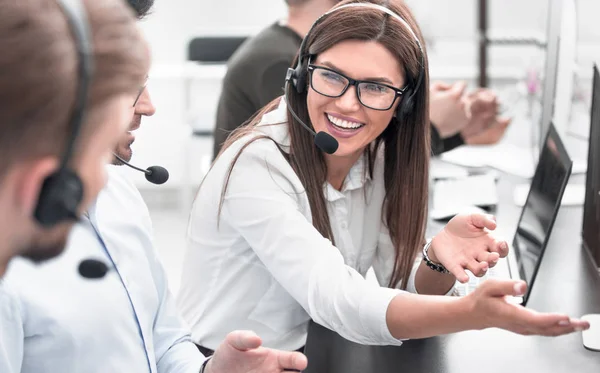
(405, 140)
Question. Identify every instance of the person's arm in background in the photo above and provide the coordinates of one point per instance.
(447, 115)
(447, 108)
(490, 135)
(440, 145)
(245, 93)
(483, 126)
(272, 82)
(12, 335)
(234, 108)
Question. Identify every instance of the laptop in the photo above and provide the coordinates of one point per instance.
(591, 206)
(536, 220)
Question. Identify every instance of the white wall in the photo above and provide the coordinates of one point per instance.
(450, 25)
(174, 22)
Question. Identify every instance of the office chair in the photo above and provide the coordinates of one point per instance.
(216, 49)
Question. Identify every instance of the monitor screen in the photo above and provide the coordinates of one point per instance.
(591, 206)
(540, 210)
(551, 66)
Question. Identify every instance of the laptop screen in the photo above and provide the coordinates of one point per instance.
(591, 206)
(540, 209)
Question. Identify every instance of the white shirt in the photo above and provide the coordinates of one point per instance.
(52, 320)
(266, 268)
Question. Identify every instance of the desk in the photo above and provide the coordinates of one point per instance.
(566, 282)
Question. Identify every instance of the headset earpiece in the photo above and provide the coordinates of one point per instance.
(301, 76)
(298, 76)
(406, 105)
(60, 197)
(62, 192)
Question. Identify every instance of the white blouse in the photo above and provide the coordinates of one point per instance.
(264, 267)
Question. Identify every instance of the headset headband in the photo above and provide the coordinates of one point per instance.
(80, 30)
(382, 9)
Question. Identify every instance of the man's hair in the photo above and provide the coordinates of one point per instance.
(142, 7)
(39, 75)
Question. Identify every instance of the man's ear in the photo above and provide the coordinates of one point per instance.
(30, 179)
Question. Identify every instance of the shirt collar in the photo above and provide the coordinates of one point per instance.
(274, 124)
(357, 178)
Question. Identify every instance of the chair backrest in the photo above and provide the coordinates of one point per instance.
(213, 49)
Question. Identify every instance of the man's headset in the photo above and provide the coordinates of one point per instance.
(62, 191)
(299, 76)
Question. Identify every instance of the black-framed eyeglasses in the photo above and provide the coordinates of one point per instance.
(374, 95)
(142, 89)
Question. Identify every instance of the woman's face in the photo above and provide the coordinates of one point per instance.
(352, 124)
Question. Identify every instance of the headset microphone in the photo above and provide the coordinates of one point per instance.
(323, 140)
(154, 174)
(92, 269)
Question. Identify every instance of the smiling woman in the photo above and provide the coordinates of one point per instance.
(281, 232)
(354, 110)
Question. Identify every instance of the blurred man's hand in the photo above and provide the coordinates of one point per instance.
(447, 108)
(484, 126)
(481, 107)
(491, 134)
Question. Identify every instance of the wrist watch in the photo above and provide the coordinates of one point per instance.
(435, 266)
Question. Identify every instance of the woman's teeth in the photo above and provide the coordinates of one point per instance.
(344, 124)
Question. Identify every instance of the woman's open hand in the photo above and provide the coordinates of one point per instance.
(466, 242)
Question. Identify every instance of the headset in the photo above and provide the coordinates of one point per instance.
(298, 76)
(62, 191)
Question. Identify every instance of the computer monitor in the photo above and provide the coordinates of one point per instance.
(551, 67)
(566, 67)
(591, 206)
(541, 207)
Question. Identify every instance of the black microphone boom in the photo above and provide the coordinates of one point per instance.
(323, 140)
(154, 174)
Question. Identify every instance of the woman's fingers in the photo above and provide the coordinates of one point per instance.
(489, 257)
(500, 247)
(478, 268)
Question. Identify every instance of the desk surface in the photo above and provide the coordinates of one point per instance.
(566, 282)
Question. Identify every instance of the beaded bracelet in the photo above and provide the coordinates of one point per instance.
(435, 266)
